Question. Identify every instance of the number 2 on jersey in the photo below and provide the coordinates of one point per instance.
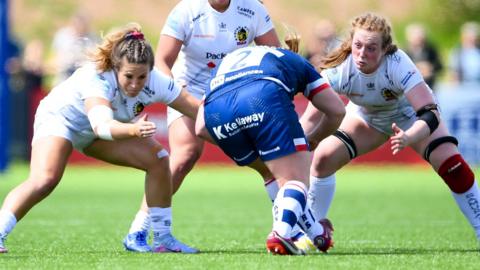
(244, 58)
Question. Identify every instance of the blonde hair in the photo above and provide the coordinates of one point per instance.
(370, 22)
(292, 38)
(127, 42)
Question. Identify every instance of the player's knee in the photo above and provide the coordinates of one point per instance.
(457, 174)
(436, 143)
(44, 184)
(322, 165)
(185, 160)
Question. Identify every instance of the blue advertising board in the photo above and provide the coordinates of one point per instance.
(4, 91)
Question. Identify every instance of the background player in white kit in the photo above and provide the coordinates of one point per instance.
(389, 98)
(91, 111)
(198, 34)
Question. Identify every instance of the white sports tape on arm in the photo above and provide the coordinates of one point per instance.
(100, 117)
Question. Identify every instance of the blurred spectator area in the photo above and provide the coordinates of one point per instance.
(40, 20)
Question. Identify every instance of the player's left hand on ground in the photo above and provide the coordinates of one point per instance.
(145, 128)
(399, 140)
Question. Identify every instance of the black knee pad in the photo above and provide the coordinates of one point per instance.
(437, 142)
(347, 140)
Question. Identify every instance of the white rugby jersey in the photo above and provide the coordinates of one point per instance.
(208, 35)
(380, 92)
(67, 99)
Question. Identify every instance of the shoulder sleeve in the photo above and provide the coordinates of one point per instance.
(334, 77)
(93, 84)
(165, 88)
(176, 23)
(315, 83)
(403, 71)
(262, 18)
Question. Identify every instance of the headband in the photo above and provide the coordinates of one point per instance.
(134, 35)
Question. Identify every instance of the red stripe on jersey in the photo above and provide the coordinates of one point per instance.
(318, 90)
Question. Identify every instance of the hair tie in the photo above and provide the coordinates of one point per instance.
(134, 35)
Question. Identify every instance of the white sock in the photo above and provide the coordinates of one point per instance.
(272, 188)
(160, 220)
(469, 203)
(7, 222)
(288, 207)
(140, 223)
(309, 224)
(320, 195)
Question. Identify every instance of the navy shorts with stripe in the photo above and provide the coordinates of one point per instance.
(254, 120)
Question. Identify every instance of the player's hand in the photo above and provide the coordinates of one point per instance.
(144, 128)
(312, 143)
(399, 140)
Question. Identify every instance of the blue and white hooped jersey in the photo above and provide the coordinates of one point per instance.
(289, 70)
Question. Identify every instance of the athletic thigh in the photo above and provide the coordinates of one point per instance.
(140, 153)
(182, 138)
(331, 154)
(290, 167)
(442, 152)
(366, 138)
(49, 158)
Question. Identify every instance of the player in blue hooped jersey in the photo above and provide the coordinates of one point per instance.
(249, 112)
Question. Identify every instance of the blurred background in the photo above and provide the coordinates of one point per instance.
(43, 41)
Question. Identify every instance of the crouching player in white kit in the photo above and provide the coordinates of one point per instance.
(389, 98)
(91, 111)
(249, 113)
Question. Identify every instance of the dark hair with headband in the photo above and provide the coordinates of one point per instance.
(128, 42)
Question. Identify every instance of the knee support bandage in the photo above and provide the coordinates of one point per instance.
(457, 174)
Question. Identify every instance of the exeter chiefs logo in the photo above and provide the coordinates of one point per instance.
(389, 94)
(241, 35)
(138, 108)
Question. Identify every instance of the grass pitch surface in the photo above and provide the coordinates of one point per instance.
(384, 218)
